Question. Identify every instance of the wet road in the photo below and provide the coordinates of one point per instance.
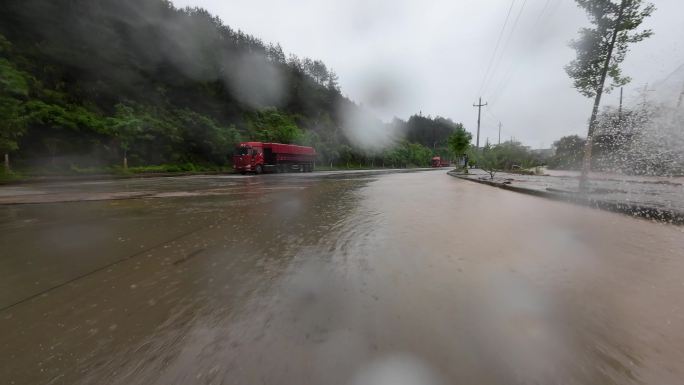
(415, 278)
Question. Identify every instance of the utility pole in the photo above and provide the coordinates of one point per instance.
(620, 109)
(479, 106)
(645, 95)
(499, 132)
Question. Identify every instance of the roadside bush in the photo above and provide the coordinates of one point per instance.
(506, 156)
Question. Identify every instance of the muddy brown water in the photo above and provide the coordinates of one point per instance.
(415, 278)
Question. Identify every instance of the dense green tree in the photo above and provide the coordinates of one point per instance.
(568, 153)
(127, 127)
(205, 140)
(406, 154)
(507, 156)
(428, 131)
(271, 125)
(14, 89)
(459, 141)
(513, 155)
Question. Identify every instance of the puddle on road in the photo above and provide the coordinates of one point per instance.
(401, 277)
(144, 302)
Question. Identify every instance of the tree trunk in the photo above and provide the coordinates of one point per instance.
(588, 146)
(7, 163)
(125, 160)
(586, 163)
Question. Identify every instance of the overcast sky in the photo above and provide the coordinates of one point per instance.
(399, 57)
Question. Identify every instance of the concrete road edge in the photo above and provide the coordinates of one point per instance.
(635, 210)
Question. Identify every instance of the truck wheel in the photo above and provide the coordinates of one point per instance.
(243, 172)
(258, 169)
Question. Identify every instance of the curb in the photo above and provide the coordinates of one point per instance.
(647, 212)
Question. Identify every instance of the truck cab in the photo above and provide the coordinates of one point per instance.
(249, 157)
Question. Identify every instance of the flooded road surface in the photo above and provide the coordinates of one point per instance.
(415, 278)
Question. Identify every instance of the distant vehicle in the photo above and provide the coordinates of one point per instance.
(258, 157)
(437, 161)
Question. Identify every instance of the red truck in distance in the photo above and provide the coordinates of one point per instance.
(259, 157)
(439, 162)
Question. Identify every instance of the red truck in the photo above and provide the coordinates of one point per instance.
(261, 157)
(439, 162)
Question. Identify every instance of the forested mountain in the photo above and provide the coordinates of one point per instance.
(84, 81)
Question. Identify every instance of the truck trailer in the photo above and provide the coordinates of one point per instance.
(259, 157)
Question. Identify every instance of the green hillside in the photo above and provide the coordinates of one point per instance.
(85, 81)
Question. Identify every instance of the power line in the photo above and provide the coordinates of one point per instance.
(496, 48)
(544, 16)
(494, 119)
(506, 44)
(488, 121)
(542, 11)
(680, 68)
(501, 86)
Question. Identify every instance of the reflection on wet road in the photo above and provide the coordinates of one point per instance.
(415, 278)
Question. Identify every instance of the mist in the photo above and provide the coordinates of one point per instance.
(437, 54)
